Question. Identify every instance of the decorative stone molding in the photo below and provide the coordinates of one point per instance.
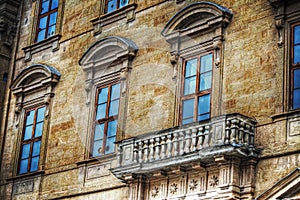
(193, 21)
(34, 85)
(286, 188)
(49, 43)
(127, 12)
(108, 55)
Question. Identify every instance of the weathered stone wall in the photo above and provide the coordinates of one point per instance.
(252, 85)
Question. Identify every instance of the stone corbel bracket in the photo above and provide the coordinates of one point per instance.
(217, 45)
(279, 6)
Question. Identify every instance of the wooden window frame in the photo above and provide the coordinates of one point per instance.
(107, 118)
(294, 66)
(40, 16)
(32, 140)
(197, 93)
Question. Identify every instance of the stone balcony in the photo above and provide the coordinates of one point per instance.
(182, 147)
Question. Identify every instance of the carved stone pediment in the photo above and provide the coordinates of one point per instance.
(287, 188)
(196, 18)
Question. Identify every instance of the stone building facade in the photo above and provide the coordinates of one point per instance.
(148, 100)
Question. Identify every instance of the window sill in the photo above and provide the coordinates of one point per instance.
(285, 115)
(51, 42)
(25, 176)
(127, 12)
(96, 160)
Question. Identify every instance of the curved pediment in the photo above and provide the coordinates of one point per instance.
(35, 76)
(109, 49)
(196, 17)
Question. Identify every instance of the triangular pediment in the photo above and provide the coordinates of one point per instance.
(288, 188)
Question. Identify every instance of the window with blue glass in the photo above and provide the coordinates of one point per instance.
(106, 120)
(115, 4)
(296, 66)
(46, 26)
(196, 89)
(31, 140)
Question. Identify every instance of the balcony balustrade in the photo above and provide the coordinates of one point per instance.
(225, 135)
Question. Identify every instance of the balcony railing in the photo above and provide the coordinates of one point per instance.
(221, 135)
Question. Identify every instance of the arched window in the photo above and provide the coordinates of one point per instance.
(107, 66)
(34, 89)
(196, 35)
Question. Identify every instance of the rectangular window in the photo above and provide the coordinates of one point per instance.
(296, 66)
(31, 140)
(47, 19)
(196, 94)
(106, 120)
(115, 4)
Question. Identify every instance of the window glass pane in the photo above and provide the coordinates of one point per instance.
(297, 54)
(115, 92)
(34, 164)
(191, 68)
(40, 114)
(41, 35)
(45, 7)
(296, 99)
(206, 63)
(39, 129)
(36, 148)
(52, 20)
(205, 81)
(97, 148)
(54, 4)
(23, 166)
(297, 79)
(297, 34)
(188, 110)
(111, 5)
(102, 97)
(112, 128)
(43, 22)
(123, 3)
(25, 151)
(114, 108)
(189, 85)
(51, 31)
(204, 104)
(28, 132)
(29, 117)
(99, 132)
(101, 111)
(110, 145)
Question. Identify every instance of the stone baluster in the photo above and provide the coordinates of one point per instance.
(181, 142)
(234, 130)
(201, 137)
(241, 133)
(176, 143)
(151, 147)
(163, 147)
(157, 148)
(169, 145)
(227, 132)
(146, 151)
(247, 134)
(140, 151)
(194, 139)
(135, 152)
(251, 140)
(188, 141)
